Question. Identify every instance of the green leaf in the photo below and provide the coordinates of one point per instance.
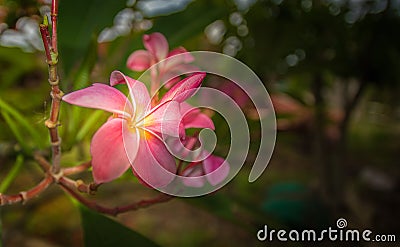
(12, 174)
(9, 110)
(89, 123)
(81, 80)
(100, 230)
(83, 75)
(17, 63)
(79, 20)
(15, 130)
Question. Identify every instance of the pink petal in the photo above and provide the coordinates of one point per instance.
(139, 95)
(178, 56)
(198, 120)
(100, 96)
(185, 88)
(181, 50)
(109, 159)
(172, 79)
(194, 118)
(171, 74)
(131, 138)
(165, 119)
(153, 164)
(216, 169)
(193, 177)
(139, 60)
(157, 45)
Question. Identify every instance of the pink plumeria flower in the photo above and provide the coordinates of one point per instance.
(192, 117)
(213, 169)
(132, 137)
(157, 49)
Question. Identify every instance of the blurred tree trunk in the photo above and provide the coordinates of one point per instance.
(331, 156)
(321, 155)
(350, 104)
(351, 99)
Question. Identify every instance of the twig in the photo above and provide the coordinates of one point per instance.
(54, 17)
(72, 187)
(44, 164)
(50, 178)
(60, 177)
(143, 203)
(56, 94)
(114, 211)
(77, 169)
(44, 32)
(78, 185)
(24, 196)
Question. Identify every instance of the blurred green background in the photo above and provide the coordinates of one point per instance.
(332, 68)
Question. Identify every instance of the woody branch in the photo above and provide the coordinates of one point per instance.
(52, 170)
(51, 50)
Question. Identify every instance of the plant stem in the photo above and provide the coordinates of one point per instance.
(73, 188)
(56, 94)
(44, 32)
(52, 124)
(78, 185)
(24, 196)
(54, 17)
(114, 211)
(44, 164)
(77, 169)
